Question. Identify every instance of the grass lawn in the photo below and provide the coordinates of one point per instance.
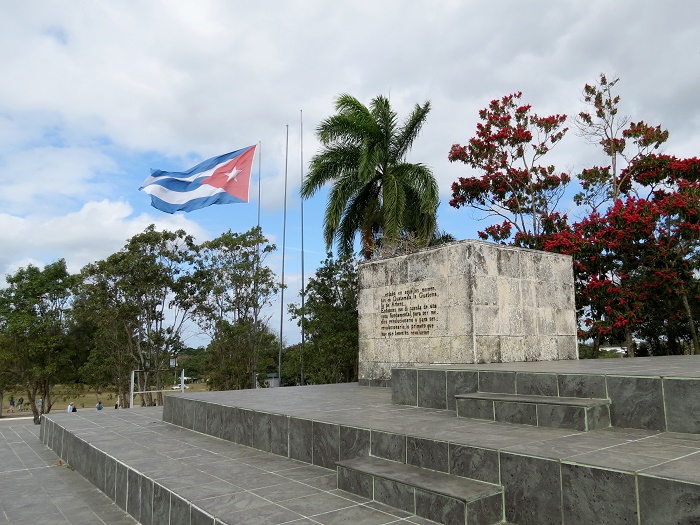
(79, 395)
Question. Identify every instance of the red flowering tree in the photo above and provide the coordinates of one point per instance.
(637, 252)
(618, 237)
(674, 187)
(640, 257)
(608, 250)
(512, 185)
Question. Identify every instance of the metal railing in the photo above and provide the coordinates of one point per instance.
(132, 392)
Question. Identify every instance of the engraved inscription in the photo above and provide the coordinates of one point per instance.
(409, 312)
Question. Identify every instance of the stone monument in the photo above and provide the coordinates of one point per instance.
(465, 302)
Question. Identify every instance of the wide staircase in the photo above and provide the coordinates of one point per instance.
(438, 496)
(386, 455)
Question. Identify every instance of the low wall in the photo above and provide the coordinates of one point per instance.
(465, 302)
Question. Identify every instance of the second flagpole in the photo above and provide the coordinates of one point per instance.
(284, 241)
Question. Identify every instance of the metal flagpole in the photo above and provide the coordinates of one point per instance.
(284, 241)
(256, 269)
(303, 314)
(259, 178)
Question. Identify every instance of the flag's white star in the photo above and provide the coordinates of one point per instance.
(233, 175)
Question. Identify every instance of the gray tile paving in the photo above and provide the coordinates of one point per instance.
(607, 454)
(196, 478)
(682, 366)
(190, 477)
(372, 408)
(35, 489)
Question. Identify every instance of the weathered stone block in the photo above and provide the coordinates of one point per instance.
(508, 263)
(564, 321)
(486, 320)
(512, 349)
(485, 291)
(546, 322)
(459, 320)
(459, 291)
(462, 349)
(567, 347)
(488, 349)
(462, 303)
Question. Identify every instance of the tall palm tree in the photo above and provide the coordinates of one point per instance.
(374, 192)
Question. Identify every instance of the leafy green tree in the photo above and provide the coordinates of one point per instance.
(236, 282)
(442, 237)
(374, 191)
(294, 361)
(236, 287)
(230, 363)
(330, 320)
(193, 361)
(6, 378)
(113, 347)
(33, 332)
(140, 299)
(408, 243)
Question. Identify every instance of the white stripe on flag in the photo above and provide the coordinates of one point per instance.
(180, 197)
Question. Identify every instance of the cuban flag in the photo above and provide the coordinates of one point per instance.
(220, 180)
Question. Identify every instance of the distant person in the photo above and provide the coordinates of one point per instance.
(99, 405)
(116, 405)
(75, 409)
(12, 404)
(40, 403)
(20, 404)
(71, 407)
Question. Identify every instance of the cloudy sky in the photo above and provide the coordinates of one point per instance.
(94, 94)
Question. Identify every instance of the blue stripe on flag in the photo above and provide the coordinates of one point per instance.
(205, 165)
(194, 204)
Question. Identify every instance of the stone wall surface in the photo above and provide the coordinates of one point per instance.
(465, 302)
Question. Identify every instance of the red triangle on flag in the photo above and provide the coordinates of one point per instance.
(233, 176)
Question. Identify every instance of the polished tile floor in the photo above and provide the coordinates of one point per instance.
(233, 483)
(238, 484)
(667, 454)
(685, 366)
(35, 489)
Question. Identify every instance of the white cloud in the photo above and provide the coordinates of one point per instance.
(52, 176)
(94, 232)
(95, 94)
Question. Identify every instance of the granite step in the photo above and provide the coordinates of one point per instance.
(437, 496)
(576, 413)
